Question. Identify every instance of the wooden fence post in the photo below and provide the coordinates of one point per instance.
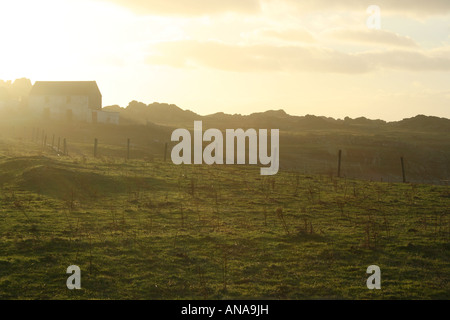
(403, 169)
(339, 163)
(95, 147)
(165, 152)
(128, 149)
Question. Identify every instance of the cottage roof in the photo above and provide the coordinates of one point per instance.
(65, 88)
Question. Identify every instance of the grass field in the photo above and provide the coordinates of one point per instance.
(152, 230)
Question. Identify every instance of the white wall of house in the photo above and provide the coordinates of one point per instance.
(107, 116)
(59, 107)
(13, 104)
(63, 107)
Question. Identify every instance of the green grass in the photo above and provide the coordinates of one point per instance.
(153, 230)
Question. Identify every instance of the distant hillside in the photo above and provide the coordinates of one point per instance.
(172, 115)
(158, 113)
(424, 123)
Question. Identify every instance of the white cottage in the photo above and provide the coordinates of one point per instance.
(69, 100)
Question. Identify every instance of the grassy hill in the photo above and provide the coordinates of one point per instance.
(146, 229)
(371, 149)
(310, 144)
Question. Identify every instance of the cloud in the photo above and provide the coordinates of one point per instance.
(371, 37)
(257, 58)
(414, 7)
(288, 35)
(253, 58)
(189, 7)
(202, 7)
(434, 60)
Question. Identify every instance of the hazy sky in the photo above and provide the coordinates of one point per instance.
(239, 56)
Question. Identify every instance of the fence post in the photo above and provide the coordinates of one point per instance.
(59, 144)
(128, 149)
(403, 169)
(65, 146)
(95, 147)
(339, 163)
(165, 152)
